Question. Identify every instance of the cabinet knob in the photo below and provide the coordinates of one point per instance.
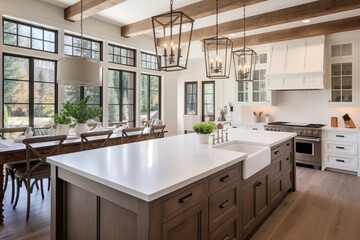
(258, 184)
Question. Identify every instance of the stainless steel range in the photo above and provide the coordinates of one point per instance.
(307, 141)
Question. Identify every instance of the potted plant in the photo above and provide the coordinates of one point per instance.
(62, 121)
(204, 129)
(81, 112)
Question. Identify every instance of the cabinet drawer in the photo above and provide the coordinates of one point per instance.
(182, 201)
(287, 159)
(341, 148)
(341, 136)
(275, 152)
(225, 178)
(222, 205)
(287, 146)
(341, 162)
(227, 231)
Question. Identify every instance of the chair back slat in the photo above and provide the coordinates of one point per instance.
(38, 152)
(157, 131)
(11, 131)
(128, 138)
(85, 139)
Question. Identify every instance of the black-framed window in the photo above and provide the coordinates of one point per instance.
(150, 97)
(91, 49)
(29, 91)
(208, 101)
(121, 96)
(149, 61)
(191, 94)
(122, 55)
(25, 35)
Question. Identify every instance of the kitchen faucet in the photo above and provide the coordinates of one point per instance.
(218, 128)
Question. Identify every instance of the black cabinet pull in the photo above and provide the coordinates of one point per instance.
(276, 152)
(340, 136)
(224, 204)
(287, 159)
(258, 184)
(186, 198)
(340, 147)
(224, 178)
(340, 160)
(226, 237)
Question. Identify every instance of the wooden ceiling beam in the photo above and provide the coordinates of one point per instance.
(90, 7)
(292, 14)
(195, 11)
(312, 30)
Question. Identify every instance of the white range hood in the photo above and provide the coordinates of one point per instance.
(296, 65)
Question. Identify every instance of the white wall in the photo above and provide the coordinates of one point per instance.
(43, 14)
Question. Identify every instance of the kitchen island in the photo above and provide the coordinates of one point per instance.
(170, 188)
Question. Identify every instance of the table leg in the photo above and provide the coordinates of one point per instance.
(1, 193)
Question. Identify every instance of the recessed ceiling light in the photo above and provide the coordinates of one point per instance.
(306, 21)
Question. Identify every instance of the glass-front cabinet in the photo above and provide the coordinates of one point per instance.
(254, 92)
(342, 73)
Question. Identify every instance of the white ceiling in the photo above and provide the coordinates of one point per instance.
(132, 11)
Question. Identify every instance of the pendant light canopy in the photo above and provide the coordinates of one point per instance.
(172, 47)
(79, 71)
(244, 61)
(217, 52)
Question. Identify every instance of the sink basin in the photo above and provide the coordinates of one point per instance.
(258, 156)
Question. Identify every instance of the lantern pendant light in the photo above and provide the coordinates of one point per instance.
(172, 47)
(217, 52)
(79, 71)
(244, 61)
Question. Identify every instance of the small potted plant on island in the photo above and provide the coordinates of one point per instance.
(62, 121)
(204, 129)
(81, 112)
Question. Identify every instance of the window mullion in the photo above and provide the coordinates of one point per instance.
(31, 91)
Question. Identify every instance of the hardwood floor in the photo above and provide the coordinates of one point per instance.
(326, 206)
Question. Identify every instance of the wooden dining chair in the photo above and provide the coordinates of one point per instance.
(135, 134)
(41, 169)
(10, 168)
(157, 131)
(96, 139)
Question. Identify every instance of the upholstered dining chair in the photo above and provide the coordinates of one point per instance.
(100, 139)
(40, 169)
(137, 133)
(10, 168)
(157, 131)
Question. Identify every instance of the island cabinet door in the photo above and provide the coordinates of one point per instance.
(189, 225)
(255, 201)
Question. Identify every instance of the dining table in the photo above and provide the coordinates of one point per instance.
(14, 150)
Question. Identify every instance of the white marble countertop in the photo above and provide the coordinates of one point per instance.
(341, 129)
(151, 169)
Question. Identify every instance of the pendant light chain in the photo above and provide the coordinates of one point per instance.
(171, 5)
(244, 25)
(81, 28)
(217, 26)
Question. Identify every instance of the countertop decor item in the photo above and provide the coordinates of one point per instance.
(334, 122)
(81, 112)
(204, 129)
(257, 116)
(348, 121)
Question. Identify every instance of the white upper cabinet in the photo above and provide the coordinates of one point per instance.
(297, 64)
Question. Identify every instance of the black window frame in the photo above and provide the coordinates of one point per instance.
(186, 94)
(203, 116)
(82, 47)
(56, 39)
(31, 85)
(145, 62)
(148, 93)
(113, 46)
(121, 97)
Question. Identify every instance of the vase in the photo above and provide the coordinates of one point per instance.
(81, 128)
(203, 138)
(62, 129)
